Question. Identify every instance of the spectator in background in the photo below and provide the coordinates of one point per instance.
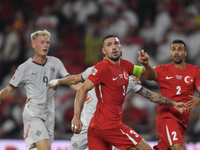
(50, 22)
(162, 21)
(130, 50)
(93, 43)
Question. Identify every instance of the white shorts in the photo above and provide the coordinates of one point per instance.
(37, 129)
(79, 141)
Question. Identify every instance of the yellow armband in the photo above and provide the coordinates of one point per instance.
(137, 71)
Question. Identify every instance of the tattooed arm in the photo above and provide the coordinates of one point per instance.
(157, 98)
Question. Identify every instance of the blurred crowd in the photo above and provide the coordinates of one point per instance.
(77, 28)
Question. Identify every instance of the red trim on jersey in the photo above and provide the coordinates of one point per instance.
(28, 100)
(87, 99)
(27, 132)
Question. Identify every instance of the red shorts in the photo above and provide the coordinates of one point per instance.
(103, 139)
(170, 132)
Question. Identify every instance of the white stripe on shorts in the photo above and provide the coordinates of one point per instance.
(168, 136)
(134, 142)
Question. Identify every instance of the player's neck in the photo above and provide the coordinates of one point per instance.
(180, 66)
(114, 62)
(39, 59)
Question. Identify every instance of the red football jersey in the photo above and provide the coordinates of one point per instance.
(110, 82)
(176, 84)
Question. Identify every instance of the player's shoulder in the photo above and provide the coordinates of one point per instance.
(53, 59)
(192, 66)
(25, 64)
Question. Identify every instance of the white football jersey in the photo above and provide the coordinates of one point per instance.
(35, 78)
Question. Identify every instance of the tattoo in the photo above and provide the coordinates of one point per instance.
(155, 97)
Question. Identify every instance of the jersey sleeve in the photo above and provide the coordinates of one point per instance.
(18, 77)
(86, 73)
(97, 72)
(159, 71)
(197, 80)
(132, 86)
(62, 70)
(133, 69)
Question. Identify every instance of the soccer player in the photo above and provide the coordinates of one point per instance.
(79, 141)
(110, 79)
(177, 81)
(34, 74)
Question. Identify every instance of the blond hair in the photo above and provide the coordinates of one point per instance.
(34, 35)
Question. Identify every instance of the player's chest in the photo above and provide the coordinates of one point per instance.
(183, 79)
(117, 77)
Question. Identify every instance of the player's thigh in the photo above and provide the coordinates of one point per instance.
(95, 142)
(34, 129)
(43, 145)
(142, 145)
(170, 131)
(178, 146)
(79, 141)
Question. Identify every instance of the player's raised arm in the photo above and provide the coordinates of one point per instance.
(80, 95)
(157, 98)
(147, 71)
(6, 92)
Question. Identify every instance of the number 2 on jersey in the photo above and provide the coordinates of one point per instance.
(178, 90)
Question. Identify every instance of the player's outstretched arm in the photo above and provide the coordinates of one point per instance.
(78, 104)
(6, 92)
(147, 72)
(157, 98)
(195, 101)
(70, 80)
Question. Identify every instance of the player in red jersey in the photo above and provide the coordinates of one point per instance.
(177, 81)
(110, 79)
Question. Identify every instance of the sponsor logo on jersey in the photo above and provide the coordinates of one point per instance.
(188, 79)
(115, 78)
(94, 71)
(168, 77)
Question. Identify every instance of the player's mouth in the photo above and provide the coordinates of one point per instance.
(176, 57)
(45, 50)
(115, 53)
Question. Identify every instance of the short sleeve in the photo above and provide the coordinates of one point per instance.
(97, 74)
(62, 70)
(197, 80)
(18, 77)
(86, 73)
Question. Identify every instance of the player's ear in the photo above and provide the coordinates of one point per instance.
(104, 52)
(185, 53)
(33, 44)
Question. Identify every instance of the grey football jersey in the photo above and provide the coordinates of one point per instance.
(91, 100)
(35, 78)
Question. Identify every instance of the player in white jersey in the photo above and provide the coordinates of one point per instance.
(79, 141)
(34, 74)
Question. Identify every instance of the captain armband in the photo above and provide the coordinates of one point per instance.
(137, 71)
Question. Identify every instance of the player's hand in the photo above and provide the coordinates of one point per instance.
(180, 106)
(76, 125)
(53, 84)
(137, 80)
(143, 57)
(193, 103)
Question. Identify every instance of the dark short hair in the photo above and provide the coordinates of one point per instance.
(106, 37)
(178, 41)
